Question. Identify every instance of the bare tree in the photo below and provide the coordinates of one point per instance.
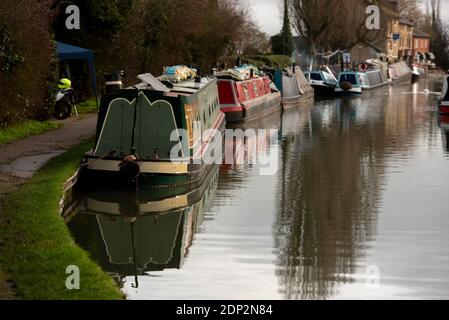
(312, 19)
(330, 25)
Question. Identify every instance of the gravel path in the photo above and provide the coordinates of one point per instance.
(21, 159)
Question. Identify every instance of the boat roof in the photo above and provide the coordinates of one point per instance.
(186, 87)
(360, 72)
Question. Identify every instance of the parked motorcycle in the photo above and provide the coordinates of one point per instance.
(65, 100)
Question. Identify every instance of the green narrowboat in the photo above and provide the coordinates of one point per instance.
(155, 133)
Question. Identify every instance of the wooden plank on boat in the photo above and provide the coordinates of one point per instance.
(153, 82)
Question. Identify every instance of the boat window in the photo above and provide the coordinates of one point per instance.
(245, 89)
(316, 76)
(348, 77)
(375, 78)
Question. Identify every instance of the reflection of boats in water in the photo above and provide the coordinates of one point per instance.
(135, 233)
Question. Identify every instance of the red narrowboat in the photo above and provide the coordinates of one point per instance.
(247, 97)
(444, 102)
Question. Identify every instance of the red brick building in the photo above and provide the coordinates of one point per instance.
(421, 45)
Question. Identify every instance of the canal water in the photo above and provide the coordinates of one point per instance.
(358, 209)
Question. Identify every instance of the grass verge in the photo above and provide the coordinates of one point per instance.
(87, 106)
(37, 246)
(6, 292)
(274, 61)
(25, 129)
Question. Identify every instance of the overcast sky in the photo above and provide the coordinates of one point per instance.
(268, 16)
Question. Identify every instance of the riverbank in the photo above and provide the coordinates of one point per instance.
(25, 129)
(37, 246)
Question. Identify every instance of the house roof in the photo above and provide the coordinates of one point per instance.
(404, 20)
(417, 33)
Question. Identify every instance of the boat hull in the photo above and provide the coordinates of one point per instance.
(292, 102)
(192, 176)
(444, 108)
(323, 91)
(103, 171)
(254, 109)
(350, 92)
(405, 79)
(380, 86)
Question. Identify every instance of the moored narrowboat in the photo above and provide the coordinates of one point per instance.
(400, 73)
(444, 101)
(348, 83)
(322, 81)
(356, 82)
(154, 133)
(293, 85)
(417, 73)
(246, 94)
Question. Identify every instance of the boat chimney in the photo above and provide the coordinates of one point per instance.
(294, 68)
(113, 82)
(198, 76)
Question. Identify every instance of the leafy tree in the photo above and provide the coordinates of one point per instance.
(8, 58)
(26, 60)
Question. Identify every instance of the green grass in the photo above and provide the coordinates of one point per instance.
(5, 292)
(275, 61)
(37, 245)
(25, 129)
(87, 106)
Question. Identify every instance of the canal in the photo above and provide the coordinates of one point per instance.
(358, 209)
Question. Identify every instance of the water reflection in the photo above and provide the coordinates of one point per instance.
(444, 124)
(362, 185)
(328, 200)
(333, 176)
(133, 233)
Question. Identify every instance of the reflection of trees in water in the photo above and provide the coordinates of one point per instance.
(330, 191)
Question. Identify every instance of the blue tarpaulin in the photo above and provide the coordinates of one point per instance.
(69, 52)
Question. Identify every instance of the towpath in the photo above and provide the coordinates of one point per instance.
(20, 160)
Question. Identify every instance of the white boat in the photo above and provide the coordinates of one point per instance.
(322, 81)
(418, 72)
(400, 72)
(356, 82)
